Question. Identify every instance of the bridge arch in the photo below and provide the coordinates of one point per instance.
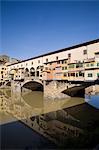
(33, 85)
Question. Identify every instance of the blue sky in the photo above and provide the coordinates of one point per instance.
(31, 28)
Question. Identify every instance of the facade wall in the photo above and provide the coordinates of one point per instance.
(3, 73)
(70, 64)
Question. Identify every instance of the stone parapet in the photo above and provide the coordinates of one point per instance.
(92, 89)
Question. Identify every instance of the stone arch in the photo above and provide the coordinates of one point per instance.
(26, 72)
(33, 85)
(32, 71)
(39, 69)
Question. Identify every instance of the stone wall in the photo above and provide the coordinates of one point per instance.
(92, 89)
(53, 90)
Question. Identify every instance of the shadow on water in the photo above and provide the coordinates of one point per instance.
(31, 122)
(17, 136)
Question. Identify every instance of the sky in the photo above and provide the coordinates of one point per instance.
(31, 28)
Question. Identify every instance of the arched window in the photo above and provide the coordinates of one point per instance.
(39, 69)
(32, 71)
(26, 72)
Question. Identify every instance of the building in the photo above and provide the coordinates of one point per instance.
(4, 58)
(76, 63)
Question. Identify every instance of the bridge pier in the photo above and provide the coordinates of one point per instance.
(53, 89)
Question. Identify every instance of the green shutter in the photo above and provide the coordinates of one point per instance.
(97, 74)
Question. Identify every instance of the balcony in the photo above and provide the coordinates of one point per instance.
(92, 65)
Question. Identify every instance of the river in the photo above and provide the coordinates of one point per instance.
(28, 121)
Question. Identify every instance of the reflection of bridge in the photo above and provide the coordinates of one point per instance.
(40, 119)
(68, 122)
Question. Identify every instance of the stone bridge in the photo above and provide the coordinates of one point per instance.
(52, 89)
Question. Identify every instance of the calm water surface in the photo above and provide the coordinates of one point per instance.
(74, 120)
(92, 100)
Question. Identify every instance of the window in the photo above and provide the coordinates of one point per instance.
(26, 64)
(73, 74)
(58, 62)
(85, 52)
(56, 57)
(71, 66)
(68, 74)
(62, 61)
(69, 55)
(79, 65)
(76, 74)
(97, 74)
(65, 74)
(46, 68)
(89, 74)
(38, 61)
(17, 65)
(81, 74)
(87, 65)
(65, 61)
(97, 64)
(46, 60)
(1, 72)
(21, 65)
(65, 68)
(91, 65)
(62, 68)
(32, 62)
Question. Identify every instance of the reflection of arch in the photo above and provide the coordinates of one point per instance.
(33, 85)
(7, 93)
(32, 71)
(8, 83)
(26, 72)
(2, 83)
(39, 69)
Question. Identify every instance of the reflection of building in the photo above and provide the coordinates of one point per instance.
(58, 126)
(75, 63)
(3, 103)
